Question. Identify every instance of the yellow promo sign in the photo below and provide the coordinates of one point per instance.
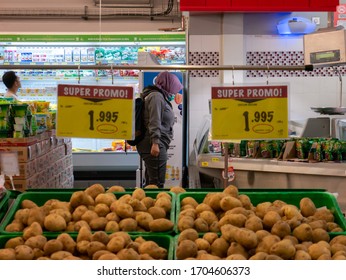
(249, 112)
(95, 111)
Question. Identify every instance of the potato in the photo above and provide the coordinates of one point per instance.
(128, 224)
(128, 254)
(27, 203)
(177, 190)
(115, 244)
(52, 246)
(236, 257)
(202, 244)
(57, 204)
(112, 216)
(291, 211)
(258, 256)
(77, 225)
(317, 250)
(63, 213)
(22, 215)
(214, 201)
(100, 236)
(272, 257)
(148, 202)
(112, 226)
(245, 201)
(237, 220)
(24, 252)
(201, 225)
(303, 232)
(186, 249)
(281, 229)
(101, 209)
(185, 222)
(261, 234)
(13, 242)
(78, 212)
(324, 214)
(84, 234)
(98, 223)
(7, 254)
(153, 249)
(95, 246)
(165, 203)
(236, 248)
(219, 247)
(161, 225)
(202, 207)
(37, 241)
(209, 217)
(124, 235)
(54, 222)
(138, 193)
(245, 237)
(61, 255)
(319, 234)
(229, 202)
(261, 209)
(105, 198)
(307, 207)
(124, 210)
(228, 232)
(190, 234)
(15, 226)
(284, 249)
(266, 243)
(94, 190)
(318, 224)
(191, 212)
(69, 244)
(143, 219)
(210, 237)
(231, 190)
(81, 198)
(125, 198)
(270, 218)
(82, 247)
(32, 230)
(188, 200)
(35, 214)
(302, 255)
(116, 189)
(254, 223)
(157, 212)
(214, 227)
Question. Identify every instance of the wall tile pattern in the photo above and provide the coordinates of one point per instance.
(204, 58)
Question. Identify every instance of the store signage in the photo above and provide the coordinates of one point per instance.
(89, 111)
(340, 16)
(249, 112)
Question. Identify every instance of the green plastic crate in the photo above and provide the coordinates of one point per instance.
(321, 199)
(41, 197)
(4, 204)
(165, 241)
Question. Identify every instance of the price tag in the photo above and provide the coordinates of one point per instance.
(215, 159)
(204, 164)
(9, 163)
(249, 112)
(95, 111)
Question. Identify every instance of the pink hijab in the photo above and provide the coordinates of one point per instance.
(168, 83)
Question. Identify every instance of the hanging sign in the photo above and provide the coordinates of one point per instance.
(89, 111)
(249, 112)
(340, 16)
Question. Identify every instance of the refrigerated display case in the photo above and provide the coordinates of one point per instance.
(93, 159)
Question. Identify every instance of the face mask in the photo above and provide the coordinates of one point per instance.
(171, 98)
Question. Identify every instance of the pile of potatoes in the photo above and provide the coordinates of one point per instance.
(86, 246)
(98, 210)
(270, 230)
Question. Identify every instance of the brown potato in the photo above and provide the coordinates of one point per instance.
(95, 246)
(116, 189)
(161, 225)
(112, 226)
(190, 234)
(115, 244)
(319, 234)
(154, 250)
(270, 218)
(209, 217)
(69, 244)
(138, 193)
(32, 230)
(202, 244)
(303, 232)
(245, 237)
(94, 190)
(143, 219)
(201, 225)
(148, 202)
(54, 222)
(254, 223)
(231, 190)
(84, 234)
(128, 254)
(36, 214)
(177, 190)
(229, 202)
(13, 242)
(307, 207)
(105, 198)
(165, 203)
(219, 247)
(284, 249)
(317, 250)
(37, 241)
(124, 210)
(101, 209)
(236, 248)
(27, 203)
(128, 224)
(98, 223)
(157, 212)
(266, 243)
(186, 249)
(302, 255)
(52, 246)
(23, 252)
(61, 255)
(185, 222)
(281, 229)
(188, 200)
(7, 254)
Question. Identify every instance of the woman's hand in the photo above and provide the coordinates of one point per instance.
(155, 150)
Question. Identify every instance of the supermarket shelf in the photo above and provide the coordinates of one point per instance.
(273, 165)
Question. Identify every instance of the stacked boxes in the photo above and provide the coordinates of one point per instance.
(45, 161)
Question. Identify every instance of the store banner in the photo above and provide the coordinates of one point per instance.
(249, 112)
(89, 111)
(175, 151)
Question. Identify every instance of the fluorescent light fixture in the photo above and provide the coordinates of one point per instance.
(295, 26)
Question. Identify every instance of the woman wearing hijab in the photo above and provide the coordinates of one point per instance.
(159, 121)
